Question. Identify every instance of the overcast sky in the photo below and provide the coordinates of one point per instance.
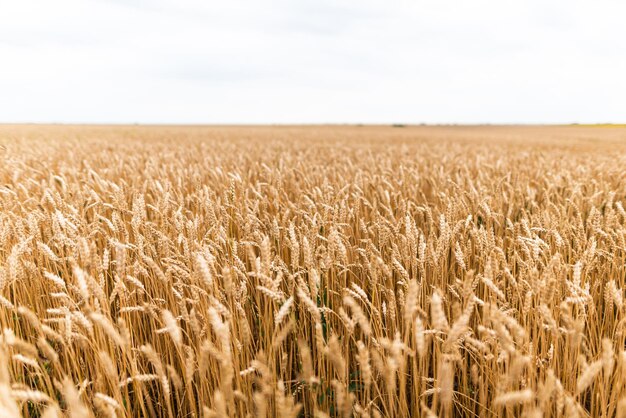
(312, 61)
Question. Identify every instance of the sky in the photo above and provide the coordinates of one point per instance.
(312, 61)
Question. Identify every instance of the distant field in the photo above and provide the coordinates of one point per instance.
(330, 271)
(602, 125)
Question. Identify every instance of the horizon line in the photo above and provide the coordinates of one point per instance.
(398, 124)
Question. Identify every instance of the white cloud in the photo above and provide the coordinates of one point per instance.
(312, 61)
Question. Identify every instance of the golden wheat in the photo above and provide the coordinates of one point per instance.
(320, 271)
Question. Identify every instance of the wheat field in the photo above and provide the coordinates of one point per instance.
(312, 271)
